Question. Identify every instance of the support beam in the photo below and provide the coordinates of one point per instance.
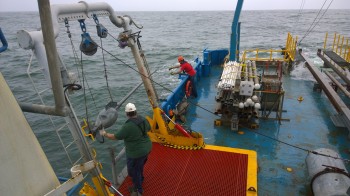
(339, 85)
(339, 105)
(334, 66)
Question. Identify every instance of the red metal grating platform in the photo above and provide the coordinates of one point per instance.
(192, 172)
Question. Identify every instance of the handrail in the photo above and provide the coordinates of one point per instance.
(290, 48)
(270, 53)
(340, 46)
(288, 52)
(3, 41)
(71, 191)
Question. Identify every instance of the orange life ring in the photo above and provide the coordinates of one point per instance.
(188, 88)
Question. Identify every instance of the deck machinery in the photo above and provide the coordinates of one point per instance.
(242, 92)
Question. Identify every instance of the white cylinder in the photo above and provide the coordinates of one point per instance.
(328, 183)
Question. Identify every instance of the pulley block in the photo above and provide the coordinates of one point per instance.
(101, 31)
(87, 45)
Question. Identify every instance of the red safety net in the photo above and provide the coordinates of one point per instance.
(171, 171)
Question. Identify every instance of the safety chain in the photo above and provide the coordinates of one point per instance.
(66, 24)
(170, 145)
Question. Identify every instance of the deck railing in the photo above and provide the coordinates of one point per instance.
(340, 46)
(286, 54)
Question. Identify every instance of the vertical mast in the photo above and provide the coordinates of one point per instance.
(151, 93)
(51, 53)
(234, 46)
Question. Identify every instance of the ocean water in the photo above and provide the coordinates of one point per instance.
(165, 35)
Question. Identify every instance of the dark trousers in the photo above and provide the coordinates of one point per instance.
(135, 170)
(194, 89)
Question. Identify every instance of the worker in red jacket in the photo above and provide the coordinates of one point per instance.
(187, 67)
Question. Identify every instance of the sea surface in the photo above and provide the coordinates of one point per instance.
(165, 35)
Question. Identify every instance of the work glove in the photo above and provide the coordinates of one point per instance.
(102, 132)
(172, 73)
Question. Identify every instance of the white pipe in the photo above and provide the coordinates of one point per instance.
(256, 79)
(250, 74)
(81, 8)
(84, 9)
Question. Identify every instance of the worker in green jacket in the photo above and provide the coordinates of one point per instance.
(137, 144)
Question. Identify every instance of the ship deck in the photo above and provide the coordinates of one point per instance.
(212, 171)
(281, 146)
(308, 126)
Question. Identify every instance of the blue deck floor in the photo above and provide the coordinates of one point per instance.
(309, 128)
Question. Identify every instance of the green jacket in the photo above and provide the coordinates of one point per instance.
(136, 140)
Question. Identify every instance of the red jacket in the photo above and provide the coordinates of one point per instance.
(188, 68)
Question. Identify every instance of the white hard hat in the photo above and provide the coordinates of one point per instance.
(130, 107)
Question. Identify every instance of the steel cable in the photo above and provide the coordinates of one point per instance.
(313, 24)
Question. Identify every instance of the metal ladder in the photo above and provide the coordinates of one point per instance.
(58, 130)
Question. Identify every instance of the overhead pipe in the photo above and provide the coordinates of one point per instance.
(35, 40)
(84, 8)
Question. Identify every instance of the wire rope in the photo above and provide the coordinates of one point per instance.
(105, 71)
(153, 80)
(299, 13)
(297, 147)
(313, 24)
(84, 79)
(320, 18)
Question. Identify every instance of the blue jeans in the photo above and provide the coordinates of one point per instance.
(135, 170)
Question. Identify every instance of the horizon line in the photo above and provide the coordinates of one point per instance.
(186, 10)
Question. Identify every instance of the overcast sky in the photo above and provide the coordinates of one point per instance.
(185, 5)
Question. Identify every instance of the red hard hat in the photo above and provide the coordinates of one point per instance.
(180, 58)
